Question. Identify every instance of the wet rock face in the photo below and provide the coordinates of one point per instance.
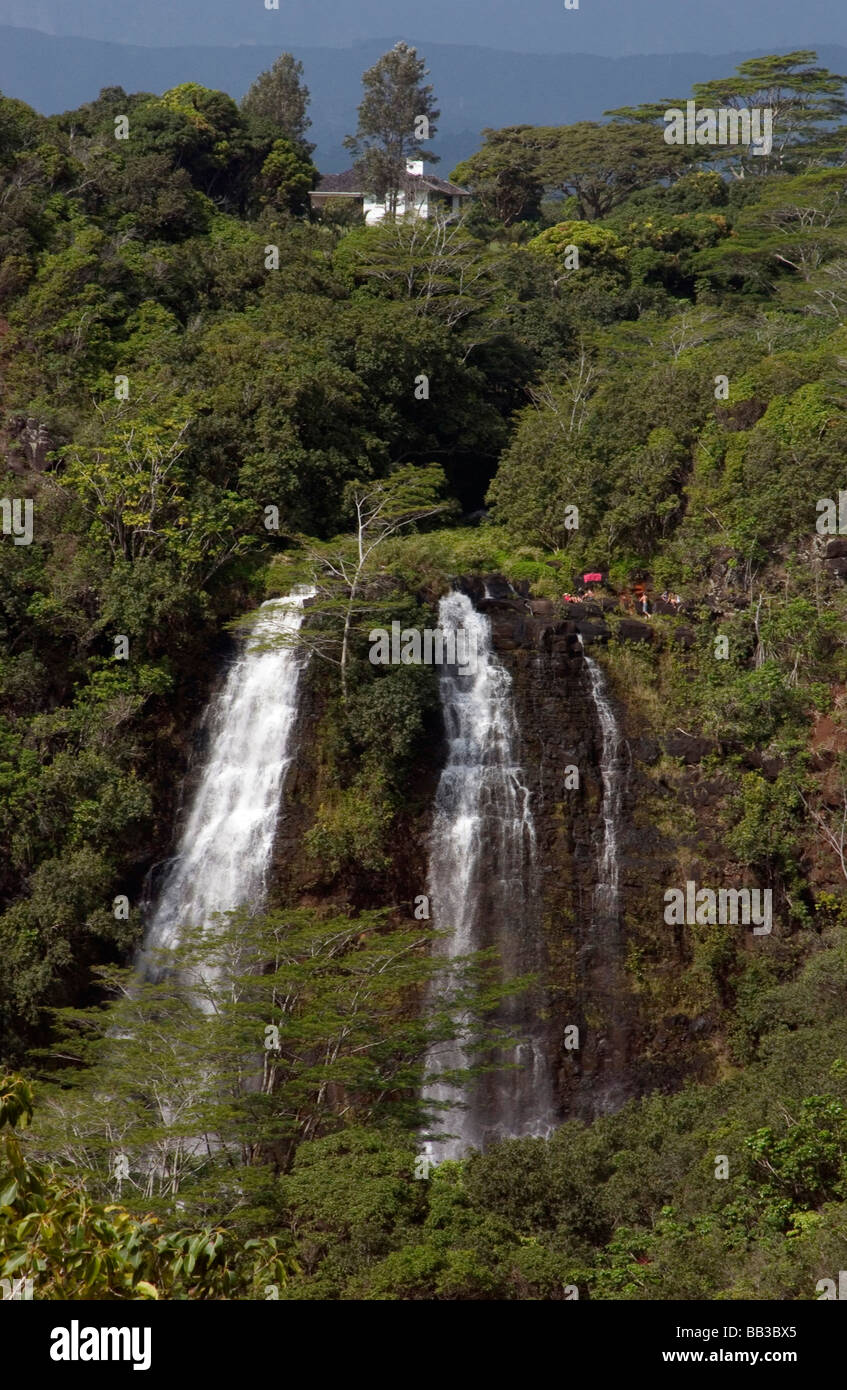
(626, 1044)
(296, 876)
(629, 1041)
(593, 633)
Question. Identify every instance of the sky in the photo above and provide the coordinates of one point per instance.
(609, 27)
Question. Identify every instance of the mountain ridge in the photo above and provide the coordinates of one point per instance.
(476, 86)
(540, 26)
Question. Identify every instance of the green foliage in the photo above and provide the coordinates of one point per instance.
(628, 1207)
(506, 186)
(596, 165)
(597, 247)
(161, 1077)
(281, 97)
(76, 1248)
(286, 178)
(297, 389)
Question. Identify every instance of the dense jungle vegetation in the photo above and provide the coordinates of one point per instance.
(198, 375)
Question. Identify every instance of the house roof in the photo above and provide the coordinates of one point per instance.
(339, 183)
(348, 182)
(444, 186)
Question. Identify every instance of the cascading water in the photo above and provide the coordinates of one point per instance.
(613, 773)
(604, 966)
(482, 888)
(225, 849)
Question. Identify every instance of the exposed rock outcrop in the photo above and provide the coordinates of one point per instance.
(26, 443)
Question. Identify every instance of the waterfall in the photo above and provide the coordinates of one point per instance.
(482, 890)
(603, 963)
(613, 773)
(225, 849)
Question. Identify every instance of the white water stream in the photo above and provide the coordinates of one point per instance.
(482, 888)
(604, 962)
(225, 850)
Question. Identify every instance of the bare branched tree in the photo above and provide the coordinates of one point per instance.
(345, 574)
(832, 823)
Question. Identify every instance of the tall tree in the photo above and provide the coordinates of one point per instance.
(600, 165)
(396, 116)
(280, 95)
(504, 177)
(437, 266)
(804, 99)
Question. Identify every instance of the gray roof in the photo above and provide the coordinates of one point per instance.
(443, 186)
(339, 183)
(350, 183)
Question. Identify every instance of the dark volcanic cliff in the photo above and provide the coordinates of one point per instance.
(631, 1038)
(628, 1042)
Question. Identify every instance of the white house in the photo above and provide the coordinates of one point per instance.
(422, 195)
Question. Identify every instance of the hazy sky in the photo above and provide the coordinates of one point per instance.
(609, 27)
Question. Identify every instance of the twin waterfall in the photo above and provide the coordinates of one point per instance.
(482, 882)
(225, 849)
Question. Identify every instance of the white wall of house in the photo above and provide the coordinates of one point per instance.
(418, 203)
(376, 210)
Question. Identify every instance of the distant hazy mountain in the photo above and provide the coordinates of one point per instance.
(609, 27)
(476, 87)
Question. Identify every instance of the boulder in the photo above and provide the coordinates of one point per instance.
(471, 585)
(741, 416)
(28, 443)
(646, 750)
(591, 632)
(689, 748)
(584, 610)
(629, 630)
(497, 586)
